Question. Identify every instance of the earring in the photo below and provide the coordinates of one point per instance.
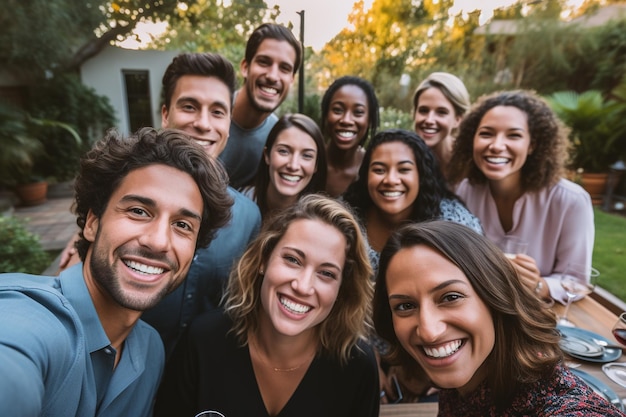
(261, 272)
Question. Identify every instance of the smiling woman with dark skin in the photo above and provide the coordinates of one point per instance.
(455, 312)
(349, 117)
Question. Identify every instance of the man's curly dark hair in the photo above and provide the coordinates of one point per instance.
(112, 158)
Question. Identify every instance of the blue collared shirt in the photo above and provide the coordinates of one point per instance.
(56, 360)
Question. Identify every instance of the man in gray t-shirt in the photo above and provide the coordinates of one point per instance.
(272, 58)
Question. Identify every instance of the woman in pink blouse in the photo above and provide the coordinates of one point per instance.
(508, 165)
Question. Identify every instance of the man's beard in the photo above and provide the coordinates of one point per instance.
(106, 276)
(255, 103)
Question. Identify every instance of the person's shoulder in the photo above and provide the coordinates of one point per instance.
(568, 191)
(47, 287)
(37, 316)
(243, 205)
(569, 395)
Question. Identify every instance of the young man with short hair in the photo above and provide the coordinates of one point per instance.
(272, 58)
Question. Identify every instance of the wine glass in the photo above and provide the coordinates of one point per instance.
(578, 280)
(619, 329)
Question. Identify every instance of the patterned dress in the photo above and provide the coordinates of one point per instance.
(561, 394)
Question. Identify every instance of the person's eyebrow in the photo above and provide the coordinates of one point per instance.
(149, 202)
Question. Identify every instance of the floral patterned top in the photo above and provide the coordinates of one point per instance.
(561, 394)
(452, 211)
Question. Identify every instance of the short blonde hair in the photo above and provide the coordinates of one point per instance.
(450, 86)
(350, 319)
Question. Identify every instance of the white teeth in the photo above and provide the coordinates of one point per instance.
(497, 160)
(144, 269)
(203, 142)
(346, 134)
(392, 193)
(426, 130)
(443, 351)
(269, 90)
(294, 307)
(291, 178)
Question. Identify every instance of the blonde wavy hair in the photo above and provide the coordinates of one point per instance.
(350, 319)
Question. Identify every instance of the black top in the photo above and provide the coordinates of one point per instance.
(211, 371)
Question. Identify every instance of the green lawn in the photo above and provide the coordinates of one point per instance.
(609, 252)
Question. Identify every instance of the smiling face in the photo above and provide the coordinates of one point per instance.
(291, 162)
(438, 318)
(502, 144)
(347, 120)
(393, 179)
(434, 117)
(201, 107)
(270, 74)
(145, 240)
(302, 276)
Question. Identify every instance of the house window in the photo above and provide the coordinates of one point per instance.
(138, 99)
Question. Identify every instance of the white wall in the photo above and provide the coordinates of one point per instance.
(104, 74)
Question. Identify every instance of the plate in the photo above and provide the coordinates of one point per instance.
(580, 346)
(609, 354)
(617, 372)
(600, 388)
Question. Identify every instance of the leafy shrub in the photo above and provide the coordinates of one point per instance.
(20, 250)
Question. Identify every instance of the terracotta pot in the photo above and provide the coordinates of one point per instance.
(32, 194)
(595, 184)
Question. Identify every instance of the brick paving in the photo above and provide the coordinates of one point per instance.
(52, 222)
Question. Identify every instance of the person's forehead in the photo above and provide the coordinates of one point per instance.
(272, 45)
(190, 84)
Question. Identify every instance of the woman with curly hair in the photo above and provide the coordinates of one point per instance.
(400, 182)
(350, 116)
(455, 311)
(290, 342)
(507, 164)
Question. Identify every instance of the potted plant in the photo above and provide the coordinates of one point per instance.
(21, 141)
(594, 139)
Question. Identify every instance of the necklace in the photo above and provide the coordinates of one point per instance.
(291, 369)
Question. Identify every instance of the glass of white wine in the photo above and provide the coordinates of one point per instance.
(578, 280)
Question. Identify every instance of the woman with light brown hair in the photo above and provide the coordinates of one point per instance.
(292, 338)
(439, 103)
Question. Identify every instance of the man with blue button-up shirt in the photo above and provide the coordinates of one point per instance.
(74, 345)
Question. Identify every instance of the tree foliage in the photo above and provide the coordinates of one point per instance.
(42, 36)
(212, 26)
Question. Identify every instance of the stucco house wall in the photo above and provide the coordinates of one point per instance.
(104, 73)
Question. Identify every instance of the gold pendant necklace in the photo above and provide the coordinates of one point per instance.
(293, 368)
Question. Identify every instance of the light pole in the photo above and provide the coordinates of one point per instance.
(301, 79)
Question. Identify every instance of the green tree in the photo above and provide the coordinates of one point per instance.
(212, 26)
(382, 42)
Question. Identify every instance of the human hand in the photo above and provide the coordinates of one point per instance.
(530, 275)
(69, 255)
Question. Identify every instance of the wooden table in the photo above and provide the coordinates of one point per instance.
(587, 314)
